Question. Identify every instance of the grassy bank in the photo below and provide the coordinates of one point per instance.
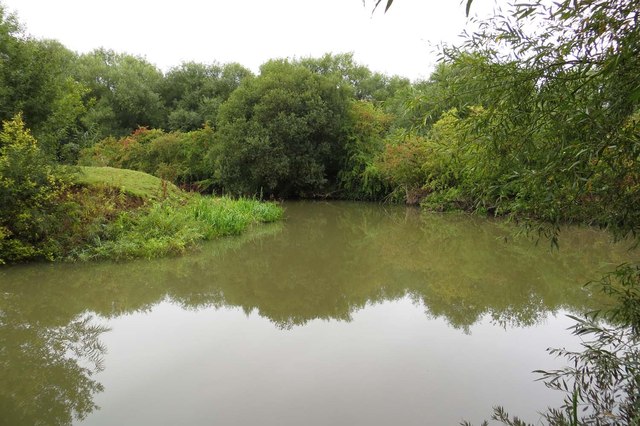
(109, 213)
(130, 182)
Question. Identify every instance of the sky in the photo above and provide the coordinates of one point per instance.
(402, 41)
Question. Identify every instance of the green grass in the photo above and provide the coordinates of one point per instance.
(125, 214)
(170, 228)
(130, 182)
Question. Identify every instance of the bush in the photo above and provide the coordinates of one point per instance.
(32, 197)
(181, 158)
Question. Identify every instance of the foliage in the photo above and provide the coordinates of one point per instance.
(123, 93)
(561, 104)
(31, 194)
(364, 84)
(177, 157)
(458, 84)
(282, 132)
(359, 177)
(401, 163)
(193, 93)
(51, 100)
(171, 228)
(35, 80)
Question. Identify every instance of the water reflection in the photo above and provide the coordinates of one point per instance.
(46, 369)
(329, 259)
(326, 261)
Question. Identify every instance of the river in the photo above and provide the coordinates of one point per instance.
(342, 314)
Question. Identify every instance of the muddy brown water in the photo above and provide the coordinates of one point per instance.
(342, 314)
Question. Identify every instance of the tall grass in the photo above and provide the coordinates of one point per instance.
(169, 227)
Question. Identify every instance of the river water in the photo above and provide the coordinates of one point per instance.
(342, 314)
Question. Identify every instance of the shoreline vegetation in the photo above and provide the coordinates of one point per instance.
(150, 217)
(544, 139)
(535, 138)
(69, 213)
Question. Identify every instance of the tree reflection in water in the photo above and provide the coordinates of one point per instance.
(47, 370)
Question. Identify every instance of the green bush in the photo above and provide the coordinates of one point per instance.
(32, 195)
(181, 158)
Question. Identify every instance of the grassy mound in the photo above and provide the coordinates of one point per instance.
(130, 182)
(124, 214)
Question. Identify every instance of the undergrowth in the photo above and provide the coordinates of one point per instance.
(171, 227)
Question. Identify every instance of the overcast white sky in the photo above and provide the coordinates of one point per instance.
(402, 41)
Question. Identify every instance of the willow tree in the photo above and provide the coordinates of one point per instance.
(561, 91)
(560, 86)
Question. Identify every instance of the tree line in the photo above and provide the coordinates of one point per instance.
(547, 131)
(537, 122)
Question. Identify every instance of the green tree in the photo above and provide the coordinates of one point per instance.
(193, 92)
(35, 80)
(54, 105)
(10, 49)
(366, 85)
(124, 93)
(282, 132)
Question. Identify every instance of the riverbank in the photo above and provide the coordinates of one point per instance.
(117, 214)
(168, 222)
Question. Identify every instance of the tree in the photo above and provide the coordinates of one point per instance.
(193, 92)
(365, 84)
(124, 93)
(10, 43)
(53, 104)
(35, 80)
(281, 133)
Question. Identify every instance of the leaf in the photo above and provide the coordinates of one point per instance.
(468, 8)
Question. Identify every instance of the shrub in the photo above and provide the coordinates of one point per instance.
(32, 197)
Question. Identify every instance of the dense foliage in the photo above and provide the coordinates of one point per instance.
(32, 194)
(176, 156)
(281, 132)
(540, 122)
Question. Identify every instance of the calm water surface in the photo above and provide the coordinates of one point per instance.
(344, 314)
